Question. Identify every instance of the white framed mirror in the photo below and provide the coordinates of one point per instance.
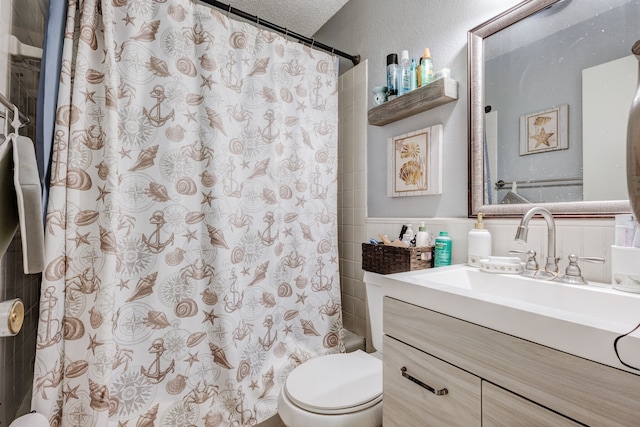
(546, 70)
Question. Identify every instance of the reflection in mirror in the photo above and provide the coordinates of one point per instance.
(551, 83)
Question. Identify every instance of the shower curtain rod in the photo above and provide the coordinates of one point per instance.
(25, 120)
(227, 7)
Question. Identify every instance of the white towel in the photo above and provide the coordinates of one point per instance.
(28, 195)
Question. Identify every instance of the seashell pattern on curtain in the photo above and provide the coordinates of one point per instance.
(191, 234)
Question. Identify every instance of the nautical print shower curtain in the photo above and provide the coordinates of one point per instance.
(191, 233)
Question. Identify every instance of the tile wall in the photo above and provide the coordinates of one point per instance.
(19, 82)
(352, 195)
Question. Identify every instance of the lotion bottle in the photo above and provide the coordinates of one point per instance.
(423, 238)
(443, 248)
(407, 237)
(426, 71)
(478, 243)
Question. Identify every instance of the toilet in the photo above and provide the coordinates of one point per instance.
(338, 390)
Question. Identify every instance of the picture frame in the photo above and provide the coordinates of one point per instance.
(544, 131)
(414, 163)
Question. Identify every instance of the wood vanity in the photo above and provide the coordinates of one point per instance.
(492, 378)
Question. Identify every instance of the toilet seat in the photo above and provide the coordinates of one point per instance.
(336, 384)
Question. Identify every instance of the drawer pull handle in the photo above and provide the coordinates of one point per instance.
(440, 392)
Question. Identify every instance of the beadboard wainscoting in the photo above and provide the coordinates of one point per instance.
(584, 237)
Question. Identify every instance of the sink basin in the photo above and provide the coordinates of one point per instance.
(595, 301)
(578, 319)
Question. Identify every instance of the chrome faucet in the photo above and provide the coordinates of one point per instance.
(551, 267)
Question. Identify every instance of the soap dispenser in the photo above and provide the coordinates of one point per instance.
(478, 243)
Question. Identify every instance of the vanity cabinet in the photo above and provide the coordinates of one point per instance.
(493, 378)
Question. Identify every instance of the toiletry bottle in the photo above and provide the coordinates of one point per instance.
(442, 250)
(423, 238)
(478, 243)
(392, 75)
(413, 75)
(408, 235)
(426, 72)
(404, 78)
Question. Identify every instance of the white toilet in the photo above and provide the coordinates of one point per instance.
(338, 390)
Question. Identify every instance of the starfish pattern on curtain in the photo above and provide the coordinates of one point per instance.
(191, 234)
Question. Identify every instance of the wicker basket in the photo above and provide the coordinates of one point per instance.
(393, 259)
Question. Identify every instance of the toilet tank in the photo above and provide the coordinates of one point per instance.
(374, 302)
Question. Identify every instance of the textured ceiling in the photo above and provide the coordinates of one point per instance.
(299, 16)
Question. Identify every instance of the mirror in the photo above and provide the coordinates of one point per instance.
(558, 108)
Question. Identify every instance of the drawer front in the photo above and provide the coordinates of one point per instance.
(407, 403)
(503, 408)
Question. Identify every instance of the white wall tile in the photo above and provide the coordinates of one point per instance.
(352, 193)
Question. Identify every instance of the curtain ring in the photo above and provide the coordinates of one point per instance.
(228, 11)
(258, 22)
(313, 41)
(286, 34)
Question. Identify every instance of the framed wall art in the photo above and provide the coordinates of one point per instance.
(414, 163)
(544, 131)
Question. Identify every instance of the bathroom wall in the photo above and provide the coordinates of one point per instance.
(19, 82)
(374, 28)
(352, 196)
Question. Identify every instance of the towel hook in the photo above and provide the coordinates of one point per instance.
(16, 123)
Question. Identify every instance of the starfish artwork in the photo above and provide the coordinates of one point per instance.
(542, 138)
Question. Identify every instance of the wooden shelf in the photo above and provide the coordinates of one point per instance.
(435, 94)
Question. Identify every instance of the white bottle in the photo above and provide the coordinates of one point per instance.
(478, 243)
(408, 235)
(423, 238)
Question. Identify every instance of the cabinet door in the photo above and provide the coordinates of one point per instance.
(503, 408)
(408, 402)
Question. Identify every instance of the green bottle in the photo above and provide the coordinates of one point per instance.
(443, 244)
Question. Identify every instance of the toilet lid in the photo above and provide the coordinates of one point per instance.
(337, 383)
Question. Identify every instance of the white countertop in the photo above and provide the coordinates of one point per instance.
(580, 320)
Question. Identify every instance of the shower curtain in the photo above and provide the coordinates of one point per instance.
(191, 232)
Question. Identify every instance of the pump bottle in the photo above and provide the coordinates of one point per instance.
(478, 243)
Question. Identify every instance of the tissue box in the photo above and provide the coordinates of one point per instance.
(625, 268)
(385, 259)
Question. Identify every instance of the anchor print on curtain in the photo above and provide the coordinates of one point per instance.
(191, 234)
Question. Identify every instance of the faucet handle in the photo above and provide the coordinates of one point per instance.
(531, 266)
(594, 259)
(573, 274)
